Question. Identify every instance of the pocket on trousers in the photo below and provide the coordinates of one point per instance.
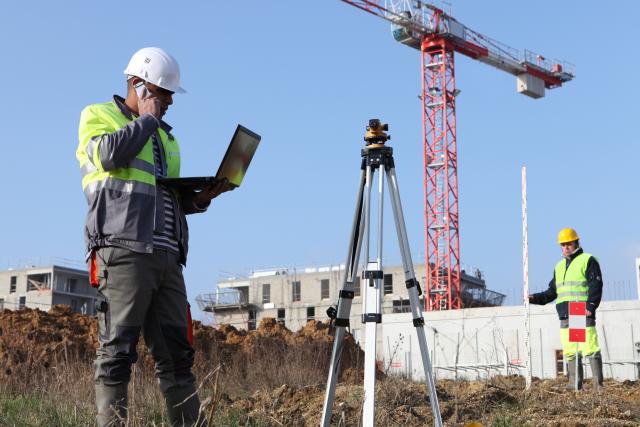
(104, 320)
(105, 256)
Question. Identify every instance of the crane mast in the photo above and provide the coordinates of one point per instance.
(438, 35)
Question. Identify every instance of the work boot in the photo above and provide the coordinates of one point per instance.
(596, 370)
(111, 402)
(571, 367)
(183, 407)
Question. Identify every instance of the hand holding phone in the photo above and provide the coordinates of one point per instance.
(147, 103)
(141, 90)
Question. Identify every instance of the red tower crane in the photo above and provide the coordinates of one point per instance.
(438, 35)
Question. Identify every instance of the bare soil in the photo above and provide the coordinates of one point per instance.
(273, 376)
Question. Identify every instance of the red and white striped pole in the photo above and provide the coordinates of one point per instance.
(577, 328)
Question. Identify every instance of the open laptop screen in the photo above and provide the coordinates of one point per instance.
(238, 156)
(234, 164)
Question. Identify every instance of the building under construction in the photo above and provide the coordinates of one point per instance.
(294, 296)
(42, 287)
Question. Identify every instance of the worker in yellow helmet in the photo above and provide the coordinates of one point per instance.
(577, 277)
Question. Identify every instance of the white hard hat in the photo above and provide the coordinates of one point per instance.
(157, 67)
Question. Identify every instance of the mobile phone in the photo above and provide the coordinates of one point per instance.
(141, 90)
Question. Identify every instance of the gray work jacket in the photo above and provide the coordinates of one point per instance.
(118, 216)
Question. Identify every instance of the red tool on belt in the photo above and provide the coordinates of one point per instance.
(93, 270)
(189, 325)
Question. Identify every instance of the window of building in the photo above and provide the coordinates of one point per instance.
(295, 291)
(74, 305)
(243, 295)
(71, 285)
(266, 293)
(38, 282)
(401, 306)
(251, 324)
(22, 302)
(13, 283)
(311, 313)
(388, 284)
(356, 286)
(280, 317)
(324, 289)
(1, 304)
(559, 363)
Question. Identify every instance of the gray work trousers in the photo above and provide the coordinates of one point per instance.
(143, 292)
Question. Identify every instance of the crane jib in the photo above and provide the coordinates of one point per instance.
(414, 22)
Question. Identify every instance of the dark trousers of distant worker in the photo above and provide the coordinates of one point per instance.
(143, 292)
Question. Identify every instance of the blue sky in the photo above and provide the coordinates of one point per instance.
(307, 76)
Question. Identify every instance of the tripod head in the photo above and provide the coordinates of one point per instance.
(376, 133)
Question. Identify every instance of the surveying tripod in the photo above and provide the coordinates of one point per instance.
(375, 156)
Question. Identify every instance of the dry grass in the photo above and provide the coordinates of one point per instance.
(270, 377)
(270, 364)
(63, 394)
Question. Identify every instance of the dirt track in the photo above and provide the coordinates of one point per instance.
(276, 376)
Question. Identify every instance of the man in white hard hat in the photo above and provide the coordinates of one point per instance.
(137, 239)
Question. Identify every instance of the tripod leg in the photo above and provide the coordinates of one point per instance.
(344, 302)
(372, 314)
(413, 288)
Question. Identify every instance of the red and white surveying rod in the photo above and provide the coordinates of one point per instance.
(577, 328)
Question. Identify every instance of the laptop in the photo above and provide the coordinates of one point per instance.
(234, 164)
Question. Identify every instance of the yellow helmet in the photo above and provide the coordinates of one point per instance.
(567, 235)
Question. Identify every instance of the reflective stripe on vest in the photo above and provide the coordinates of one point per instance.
(120, 185)
(139, 175)
(571, 283)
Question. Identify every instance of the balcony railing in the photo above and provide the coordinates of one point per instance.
(222, 300)
(479, 296)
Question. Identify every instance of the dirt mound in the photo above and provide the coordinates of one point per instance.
(31, 339)
(268, 328)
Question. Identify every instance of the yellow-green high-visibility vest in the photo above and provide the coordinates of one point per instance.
(122, 196)
(139, 175)
(571, 283)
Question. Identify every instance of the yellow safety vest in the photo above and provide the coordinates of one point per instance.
(571, 283)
